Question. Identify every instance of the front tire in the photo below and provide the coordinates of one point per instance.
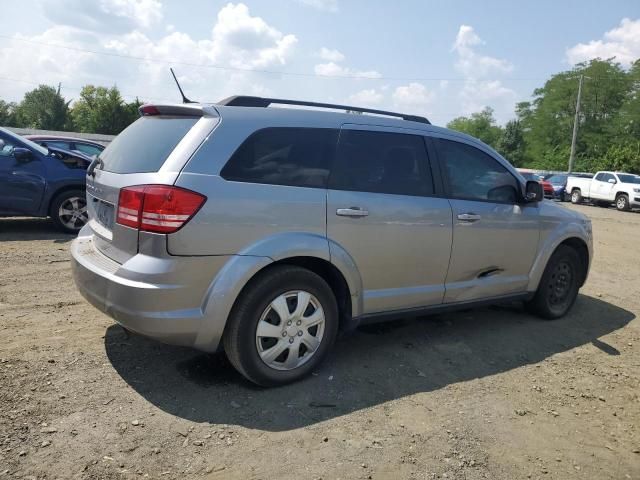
(576, 196)
(69, 211)
(559, 285)
(622, 202)
(282, 326)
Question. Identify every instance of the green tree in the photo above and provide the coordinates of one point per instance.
(43, 108)
(548, 120)
(481, 125)
(102, 110)
(7, 113)
(511, 143)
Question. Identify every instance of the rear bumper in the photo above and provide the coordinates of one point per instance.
(139, 296)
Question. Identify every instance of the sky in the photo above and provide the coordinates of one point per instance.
(437, 58)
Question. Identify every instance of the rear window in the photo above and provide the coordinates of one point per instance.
(299, 157)
(145, 144)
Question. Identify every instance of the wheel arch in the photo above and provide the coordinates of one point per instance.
(574, 237)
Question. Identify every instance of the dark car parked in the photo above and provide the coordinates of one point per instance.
(81, 145)
(38, 182)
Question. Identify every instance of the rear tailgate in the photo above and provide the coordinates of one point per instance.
(152, 150)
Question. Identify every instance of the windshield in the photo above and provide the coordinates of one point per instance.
(557, 179)
(627, 178)
(145, 144)
(26, 142)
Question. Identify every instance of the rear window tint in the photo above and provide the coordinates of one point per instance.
(382, 162)
(145, 144)
(299, 157)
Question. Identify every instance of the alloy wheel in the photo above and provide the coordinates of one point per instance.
(73, 213)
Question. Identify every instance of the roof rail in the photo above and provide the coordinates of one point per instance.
(247, 101)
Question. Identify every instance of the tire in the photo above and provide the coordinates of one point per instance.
(576, 196)
(622, 202)
(68, 211)
(556, 293)
(266, 359)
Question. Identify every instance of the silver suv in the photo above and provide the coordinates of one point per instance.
(265, 230)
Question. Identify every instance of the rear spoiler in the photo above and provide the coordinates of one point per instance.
(179, 110)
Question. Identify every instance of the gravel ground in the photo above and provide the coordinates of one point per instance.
(492, 393)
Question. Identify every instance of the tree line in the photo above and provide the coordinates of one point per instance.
(97, 110)
(540, 135)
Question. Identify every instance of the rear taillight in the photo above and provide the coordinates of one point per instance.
(157, 208)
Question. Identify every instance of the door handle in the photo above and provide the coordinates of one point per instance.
(352, 212)
(469, 217)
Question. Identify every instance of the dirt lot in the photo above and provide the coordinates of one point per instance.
(491, 393)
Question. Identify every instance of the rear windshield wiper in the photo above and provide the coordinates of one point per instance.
(94, 164)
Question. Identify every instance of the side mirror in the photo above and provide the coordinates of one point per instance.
(22, 154)
(612, 181)
(533, 191)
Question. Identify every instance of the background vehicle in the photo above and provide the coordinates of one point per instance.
(558, 183)
(86, 147)
(39, 182)
(267, 229)
(606, 188)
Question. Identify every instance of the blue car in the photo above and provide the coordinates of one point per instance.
(559, 183)
(42, 182)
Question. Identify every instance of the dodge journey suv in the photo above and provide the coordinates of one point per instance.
(262, 231)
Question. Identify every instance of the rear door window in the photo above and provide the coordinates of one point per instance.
(299, 157)
(145, 144)
(382, 162)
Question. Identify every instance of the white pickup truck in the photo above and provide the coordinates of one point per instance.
(606, 188)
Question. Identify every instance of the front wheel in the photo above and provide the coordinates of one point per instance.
(558, 288)
(282, 326)
(69, 211)
(622, 202)
(576, 196)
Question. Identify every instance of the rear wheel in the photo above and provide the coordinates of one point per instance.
(622, 202)
(282, 326)
(558, 288)
(576, 196)
(69, 211)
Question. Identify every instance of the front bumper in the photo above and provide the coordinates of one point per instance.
(139, 295)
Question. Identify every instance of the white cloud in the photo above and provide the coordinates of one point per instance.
(332, 69)
(113, 16)
(331, 55)
(470, 62)
(477, 94)
(237, 39)
(480, 87)
(622, 42)
(248, 42)
(324, 5)
(368, 97)
(413, 95)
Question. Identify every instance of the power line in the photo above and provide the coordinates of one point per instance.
(79, 89)
(252, 70)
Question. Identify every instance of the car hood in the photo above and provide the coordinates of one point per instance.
(556, 210)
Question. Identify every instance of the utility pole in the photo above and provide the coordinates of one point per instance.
(572, 156)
